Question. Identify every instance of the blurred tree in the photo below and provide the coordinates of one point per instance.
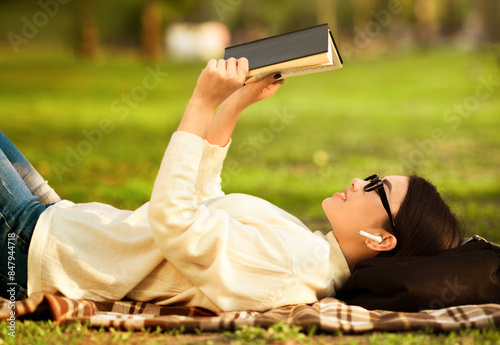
(451, 18)
(88, 31)
(139, 24)
(426, 21)
(151, 20)
(362, 12)
(345, 19)
(326, 11)
(261, 18)
(489, 11)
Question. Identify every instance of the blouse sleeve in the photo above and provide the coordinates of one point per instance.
(208, 182)
(173, 206)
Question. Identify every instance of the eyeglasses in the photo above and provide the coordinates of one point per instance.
(377, 185)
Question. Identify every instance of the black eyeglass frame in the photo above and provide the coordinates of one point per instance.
(377, 185)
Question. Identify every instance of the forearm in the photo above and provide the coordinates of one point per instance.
(197, 117)
(223, 124)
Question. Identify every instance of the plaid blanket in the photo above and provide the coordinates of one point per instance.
(328, 315)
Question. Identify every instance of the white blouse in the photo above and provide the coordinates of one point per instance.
(191, 245)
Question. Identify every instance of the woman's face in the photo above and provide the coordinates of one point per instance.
(354, 209)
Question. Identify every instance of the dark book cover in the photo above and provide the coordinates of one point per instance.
(284, 47)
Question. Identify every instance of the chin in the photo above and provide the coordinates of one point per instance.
(328, 203)
(324, 206)
(328, 208)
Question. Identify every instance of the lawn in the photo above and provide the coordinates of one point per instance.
(98, 132)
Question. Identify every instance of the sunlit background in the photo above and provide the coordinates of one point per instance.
(190, 29)
(419, 91)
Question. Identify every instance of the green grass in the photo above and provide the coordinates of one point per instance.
(48, 333)
(302, 145)
(294, 149)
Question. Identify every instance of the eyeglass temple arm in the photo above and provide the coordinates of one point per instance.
(388, 210)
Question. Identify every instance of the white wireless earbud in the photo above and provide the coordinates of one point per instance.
(377, 239)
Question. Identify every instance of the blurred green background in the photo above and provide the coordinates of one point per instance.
(91, 92)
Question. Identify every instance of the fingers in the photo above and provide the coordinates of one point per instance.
(272, 78)
(221, 65)
(242, 66)
(268, 81)
(220, 79)
(237, 68)
(212, 63)
(275, 86)
(230, 66)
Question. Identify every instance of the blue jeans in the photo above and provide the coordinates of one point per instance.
(24, 195)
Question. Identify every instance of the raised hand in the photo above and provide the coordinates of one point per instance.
(220, 79)
(216, 83)
(225, 120)
(253, 92)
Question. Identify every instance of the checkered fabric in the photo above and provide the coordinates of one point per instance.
(328, 315)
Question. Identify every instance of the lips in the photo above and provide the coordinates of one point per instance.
(340, 196)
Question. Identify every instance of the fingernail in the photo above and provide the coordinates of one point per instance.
(277, 76)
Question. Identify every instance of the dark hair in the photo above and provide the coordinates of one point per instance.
(425, 225)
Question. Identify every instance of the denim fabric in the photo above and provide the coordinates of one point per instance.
(24, 195)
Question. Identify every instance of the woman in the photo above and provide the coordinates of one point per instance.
(191, 244)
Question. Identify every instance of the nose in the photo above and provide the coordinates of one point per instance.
(357, 184)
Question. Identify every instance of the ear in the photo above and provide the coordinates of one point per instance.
(389, 242)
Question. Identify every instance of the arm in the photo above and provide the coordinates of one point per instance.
(198, 116)
(220, 131)
(239, 264)
(224, 122)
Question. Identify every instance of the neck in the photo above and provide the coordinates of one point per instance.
(353, 254)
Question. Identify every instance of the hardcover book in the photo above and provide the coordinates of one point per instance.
(304, 51)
